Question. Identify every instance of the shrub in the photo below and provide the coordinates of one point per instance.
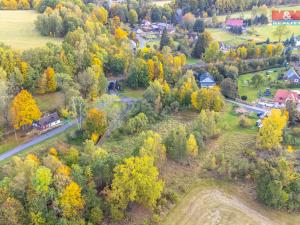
(244, 98)
(245, 122)
(137, 123)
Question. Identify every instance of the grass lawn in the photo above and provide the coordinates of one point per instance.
(132, 93)
(17, 29)
(50, 102)
(255, 33)
(253, 93)
(191, 61)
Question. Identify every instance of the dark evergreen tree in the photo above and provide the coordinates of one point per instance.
(201, 44)
(199, 26)
(165, 39)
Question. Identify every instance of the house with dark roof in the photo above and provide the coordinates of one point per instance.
(205, 80)
(292, 76)
(48, 121)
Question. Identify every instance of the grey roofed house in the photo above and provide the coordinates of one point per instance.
(292, 76)
(48, 121)
(205, 80)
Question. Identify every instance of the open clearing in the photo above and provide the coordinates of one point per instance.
(17, 29)
(212, 204)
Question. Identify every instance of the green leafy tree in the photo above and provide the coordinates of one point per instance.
(176, 143)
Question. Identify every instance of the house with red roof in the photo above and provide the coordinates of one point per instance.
(282, 96)
(234, 23)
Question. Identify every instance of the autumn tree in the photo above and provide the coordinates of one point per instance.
(270, 134)
(71, 201)
(24, 110)
(202, 43)
(229, 88)
(208, 98)
(191, 146)
(51, 79)
(120, 34)
(153, 147)
(95, 123)
(133, 17)
(136, 180)
(188, 20)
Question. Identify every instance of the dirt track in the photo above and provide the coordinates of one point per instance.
(214, 206)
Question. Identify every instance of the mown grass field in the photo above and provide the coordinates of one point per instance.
(257, 33)
(17, 29)
(253, 93)
(218, 202)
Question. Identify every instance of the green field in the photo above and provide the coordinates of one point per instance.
(257, 33)
(17, 29)
(253, 93)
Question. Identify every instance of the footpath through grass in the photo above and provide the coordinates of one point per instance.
(17, 29)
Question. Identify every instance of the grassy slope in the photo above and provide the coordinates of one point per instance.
(17, 30)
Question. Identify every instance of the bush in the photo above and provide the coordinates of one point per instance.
(245, 122)
(244, 98)
(137, 123)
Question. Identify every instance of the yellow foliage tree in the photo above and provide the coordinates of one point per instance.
(71, 201)
(270, 134)
(208, 98)
(191, 146)
(151, 69)
(24, 70)
(24, 110)
(100, 14)
(51, 79)
(120, 34)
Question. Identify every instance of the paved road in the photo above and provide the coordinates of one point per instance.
(37, 140)
(249, 107)
(51, 133)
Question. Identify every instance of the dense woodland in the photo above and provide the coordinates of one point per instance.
(83, 183)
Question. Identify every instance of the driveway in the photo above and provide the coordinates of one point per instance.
(248, 107)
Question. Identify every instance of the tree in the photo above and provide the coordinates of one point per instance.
(42, 180)
(191, 146)
(207, 124)
(133, 17)
(281, 31)
(24, 110)
(212, 53)
(188, 20)
(208, 98)
(71, 201)
(176, 143)
(120, 34)
(153, 147)
(136, 180)
(100, 14)
(138, 74)
(12, 212)
(229, 88)
(199, 26)
(95, 123)
(201, 45)
(291, 108)
(165, 39)
(51, 79)
(137, 123)
(270, 134)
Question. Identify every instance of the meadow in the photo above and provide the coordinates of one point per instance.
(17, 29)
(257, 33)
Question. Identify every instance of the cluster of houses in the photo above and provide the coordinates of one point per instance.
(157, 28)
(283, 95)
